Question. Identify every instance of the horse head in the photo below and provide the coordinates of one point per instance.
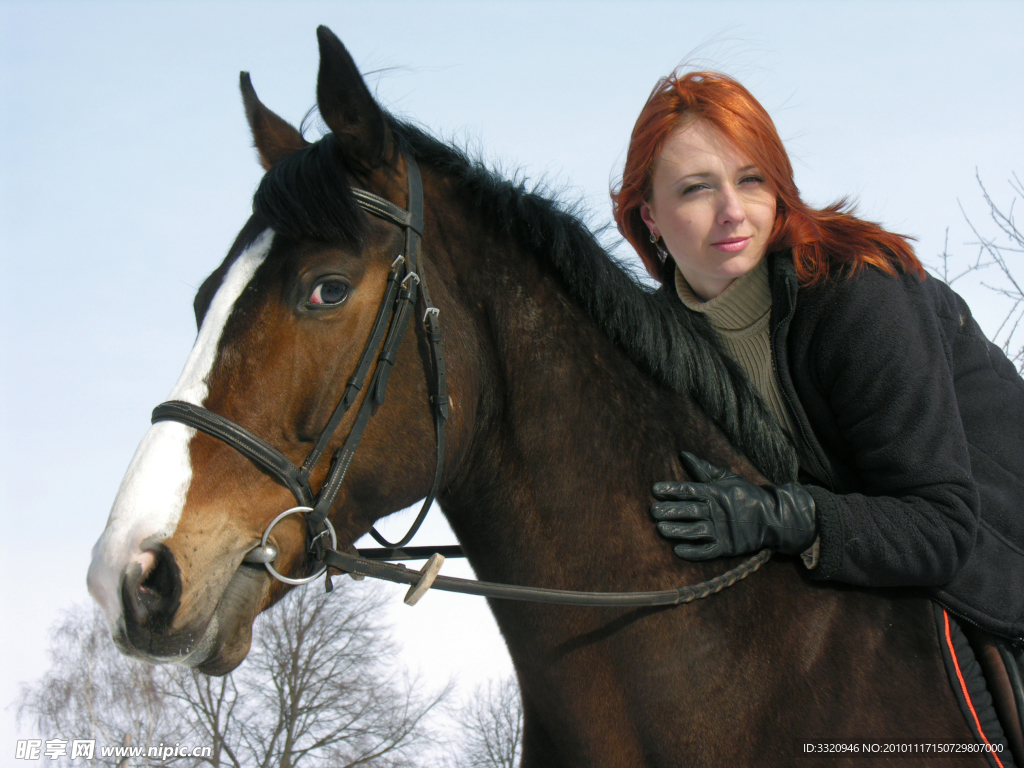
(282, 324)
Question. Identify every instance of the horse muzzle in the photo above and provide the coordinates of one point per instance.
(215, 639)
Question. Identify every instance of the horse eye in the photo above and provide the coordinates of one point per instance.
(329, 292)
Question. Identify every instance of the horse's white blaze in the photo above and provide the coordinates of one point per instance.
(151, 498)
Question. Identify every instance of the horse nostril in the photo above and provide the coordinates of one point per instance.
(151, 589)
(160, 581)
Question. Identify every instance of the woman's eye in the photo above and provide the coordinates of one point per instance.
(329, 292)
(694, 188)
(752, 179)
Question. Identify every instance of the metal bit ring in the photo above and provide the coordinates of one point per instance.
(266, 535)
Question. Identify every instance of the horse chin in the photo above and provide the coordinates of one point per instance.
(229, 635)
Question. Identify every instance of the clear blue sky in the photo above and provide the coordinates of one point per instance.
(126, 170)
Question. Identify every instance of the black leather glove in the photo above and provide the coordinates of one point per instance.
(720, 514)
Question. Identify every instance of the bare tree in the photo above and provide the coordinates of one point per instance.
(92, 692)
(321, 686)
(1002, 251)
(491, 723)
(208, 707)
(324, 680)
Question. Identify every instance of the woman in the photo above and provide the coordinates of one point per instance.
(908, 423)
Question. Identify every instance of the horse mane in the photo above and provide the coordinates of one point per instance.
(307, 196)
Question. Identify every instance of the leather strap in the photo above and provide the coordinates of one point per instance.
(374, 398)
(411, 553)
(399, 574)
(432, 326)
(385, 209)
(264, 455)
(386, 361)
(1014, 725)
(355, 382)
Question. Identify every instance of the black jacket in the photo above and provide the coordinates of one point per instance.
(916, 423)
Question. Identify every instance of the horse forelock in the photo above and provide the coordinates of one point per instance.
(676, 347)
(308, 196)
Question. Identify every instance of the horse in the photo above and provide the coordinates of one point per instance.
(571, 389)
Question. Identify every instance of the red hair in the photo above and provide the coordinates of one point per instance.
(819, 239)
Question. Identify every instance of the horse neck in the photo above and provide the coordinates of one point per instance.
(568, 437)
(559, 437)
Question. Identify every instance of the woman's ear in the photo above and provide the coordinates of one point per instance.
(648, 218)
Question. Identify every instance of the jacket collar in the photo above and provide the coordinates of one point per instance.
(784, 285)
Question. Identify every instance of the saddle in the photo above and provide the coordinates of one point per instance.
(1001, 664)
(986, 679)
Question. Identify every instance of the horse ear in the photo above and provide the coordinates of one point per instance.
(347, 107)
(275, 138)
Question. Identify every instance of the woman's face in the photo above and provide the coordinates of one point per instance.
(711, 205)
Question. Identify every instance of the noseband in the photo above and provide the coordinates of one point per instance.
(405, 285)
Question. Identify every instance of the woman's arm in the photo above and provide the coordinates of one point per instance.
(872, 367)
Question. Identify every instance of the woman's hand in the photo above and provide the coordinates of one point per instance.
(721, 514)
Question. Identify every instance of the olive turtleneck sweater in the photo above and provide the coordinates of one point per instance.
(741, 315)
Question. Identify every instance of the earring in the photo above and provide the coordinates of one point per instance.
(654, 237)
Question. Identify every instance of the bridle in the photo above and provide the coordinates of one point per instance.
(406, 283)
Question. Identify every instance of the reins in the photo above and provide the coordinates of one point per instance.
(427, 578)
(405, 285)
